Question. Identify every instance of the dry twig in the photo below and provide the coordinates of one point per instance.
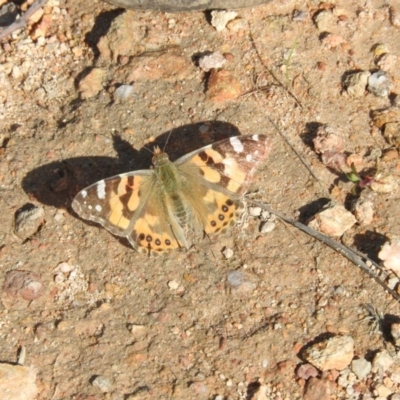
(23, 21)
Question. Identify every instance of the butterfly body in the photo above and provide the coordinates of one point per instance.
(174, 204)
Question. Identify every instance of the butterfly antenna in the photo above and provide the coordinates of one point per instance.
(166, 142)
(150, 151)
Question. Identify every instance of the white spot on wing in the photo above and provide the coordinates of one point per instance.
(236, 144)
(101, 190)
(255, 137)
(249, 157)
(83, 193)
(98, 207)
(90, 207)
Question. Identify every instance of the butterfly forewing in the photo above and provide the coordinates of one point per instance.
(112, 202)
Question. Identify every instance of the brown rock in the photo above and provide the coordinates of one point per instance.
(333, 353)
(223, 86)
(391, 133)
(124, 38)
(318, 389)
(23, 284)
(334, 221)
(92, 83)
(17, 382)
(28, 221)
(381, 118)
(327, 138)
(167, 66)
(306, 371)
(43, 28)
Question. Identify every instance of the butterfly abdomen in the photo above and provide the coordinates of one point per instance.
(170, 181)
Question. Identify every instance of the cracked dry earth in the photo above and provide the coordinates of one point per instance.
(105, 322)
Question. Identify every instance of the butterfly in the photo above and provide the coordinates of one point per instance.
(163, 208)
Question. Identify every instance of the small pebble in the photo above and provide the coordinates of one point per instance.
(255, 211)
(64, 267)
(382, 362)
(379, 84)
(25, 284)
(17, 382)
(137, 330)
(211, 61)
(361, 367)
(28, 220)
(235, 278)
(219, 19)
(387, 115)
(363, 208)
(390, 255)
(124, 92)
(386, 184)
(318, 389)
(102, 383)
(227, 252)
(391, 132)
(333, 221)
(173, 285)
(333, 353)
(395, 332)
(383, 391)
(393, 282)
(325, 21)
(387, 62)
(222, 86)
(395, 16)
(299, 15)
(356, 83)
(267, 226)
(328, 138)
(265, 216)
(306, 371)
(92, 83)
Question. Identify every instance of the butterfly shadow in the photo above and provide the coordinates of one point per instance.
(56, 184)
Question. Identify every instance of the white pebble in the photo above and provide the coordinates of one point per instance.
(211, 61)
(219, 19)
(267, 227)
(124, 92)
(227, 252)
(379, 84)
(173, 285)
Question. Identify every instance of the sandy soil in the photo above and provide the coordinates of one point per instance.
(172, 327)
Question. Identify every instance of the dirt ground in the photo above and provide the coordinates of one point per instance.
(111, 323)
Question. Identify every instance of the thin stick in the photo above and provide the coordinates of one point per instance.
(23, 21)
(350, 254)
